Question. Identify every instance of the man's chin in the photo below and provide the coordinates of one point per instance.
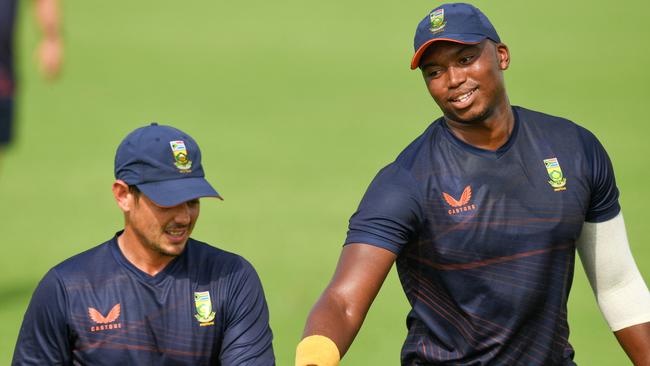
(172, 250)
(470, 117)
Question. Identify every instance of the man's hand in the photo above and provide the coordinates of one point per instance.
(50, 57)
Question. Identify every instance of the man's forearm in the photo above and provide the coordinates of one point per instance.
(330, 317)
(635, 340)
(343, 306)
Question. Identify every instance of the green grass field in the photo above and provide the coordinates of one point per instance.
(296, 105)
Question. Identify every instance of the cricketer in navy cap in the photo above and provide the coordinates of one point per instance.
(164, 163)
(151, 294)
(455, 22)
(482, 215)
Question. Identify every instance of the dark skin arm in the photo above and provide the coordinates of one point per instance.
(635, 340)
(341, 309)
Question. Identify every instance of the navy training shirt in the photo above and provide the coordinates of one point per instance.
(7, 22)
(207, 307)
(486, 239)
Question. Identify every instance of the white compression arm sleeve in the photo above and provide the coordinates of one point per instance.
(622, 294)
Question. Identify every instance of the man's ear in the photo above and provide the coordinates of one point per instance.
(503, 56)
(123, 197)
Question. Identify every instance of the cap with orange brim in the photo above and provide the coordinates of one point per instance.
(455, 22)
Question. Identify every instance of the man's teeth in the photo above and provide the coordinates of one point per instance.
(464, 97)
(176, 232)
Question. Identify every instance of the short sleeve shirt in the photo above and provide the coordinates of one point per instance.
(207, 307)
(486, 239)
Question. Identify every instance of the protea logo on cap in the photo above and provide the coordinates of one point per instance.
(437, 18)
(181, 161)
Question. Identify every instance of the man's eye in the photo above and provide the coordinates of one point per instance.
(466, 60)
(434, 73)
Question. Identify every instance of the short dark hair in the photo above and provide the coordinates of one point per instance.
(135, 191)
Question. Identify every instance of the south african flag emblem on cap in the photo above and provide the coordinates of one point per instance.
(437, 18)
(181, 161)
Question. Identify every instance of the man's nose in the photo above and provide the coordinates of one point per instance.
(182, 214)
(456, 77)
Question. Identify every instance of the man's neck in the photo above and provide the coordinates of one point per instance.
(489, 134)
(142, 257)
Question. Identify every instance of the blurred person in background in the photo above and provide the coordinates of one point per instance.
(49, 54)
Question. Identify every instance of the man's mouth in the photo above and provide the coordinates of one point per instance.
(176, 232)
(463, 97)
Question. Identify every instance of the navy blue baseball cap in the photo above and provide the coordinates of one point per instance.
(164, 163)
(456, 22)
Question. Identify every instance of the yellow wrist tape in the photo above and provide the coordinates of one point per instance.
(317, 350)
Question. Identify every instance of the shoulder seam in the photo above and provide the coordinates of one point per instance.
(59, 280)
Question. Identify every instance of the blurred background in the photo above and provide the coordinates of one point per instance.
(296, 106)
